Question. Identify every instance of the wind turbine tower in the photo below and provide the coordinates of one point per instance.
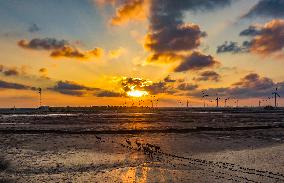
(226, 99)
(217, 101)
(39, 92)
(275, 97)
(204, 95)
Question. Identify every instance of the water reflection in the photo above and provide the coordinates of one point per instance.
(139, 174)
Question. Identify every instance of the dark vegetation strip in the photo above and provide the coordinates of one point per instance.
(188, 130)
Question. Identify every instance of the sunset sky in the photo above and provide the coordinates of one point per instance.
(99, 52)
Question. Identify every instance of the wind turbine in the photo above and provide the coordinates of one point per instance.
(203, 97)
(217, 101)
(237, 103)
(269, 101)
(152, 101)
(179, 103)
(39, 92)
(275, 97)
(226, 99)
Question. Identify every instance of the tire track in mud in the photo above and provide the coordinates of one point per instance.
(233, 168)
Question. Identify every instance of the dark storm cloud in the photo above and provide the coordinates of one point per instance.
(208, 76)
(106, 93)
(10, 85)
(60, 48)
(252, 30)
(156, 88)
(270, 38)
(254, 81)
(252, 85)
(43, 44)
(267, 8)
(168, 33)
(34, 28)
(233, 47)
(68, 85)
(267, 39)
(165, 13)
(11, 72)
(180, 38)
(7, 71)
(71, 92)
(75, 89)
(71, 88)
(187, 87)
(196, 61)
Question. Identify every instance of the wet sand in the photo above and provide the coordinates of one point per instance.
(241, 155)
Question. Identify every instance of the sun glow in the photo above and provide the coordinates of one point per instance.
(137, 93)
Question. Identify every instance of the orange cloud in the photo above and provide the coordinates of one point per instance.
(71, 52)
(60, 48)
(132, 10)
(270, 39)
(164, 57)
(265, 40)
(128, 10)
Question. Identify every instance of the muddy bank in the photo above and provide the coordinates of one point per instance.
(222, 156)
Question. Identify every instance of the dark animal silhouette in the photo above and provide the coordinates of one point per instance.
(98, 138)
(128, 142)
(138, 145)
(157, 148)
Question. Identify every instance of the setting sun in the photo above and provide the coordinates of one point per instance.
(137, 93)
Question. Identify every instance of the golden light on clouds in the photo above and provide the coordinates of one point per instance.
(135, 87)
(132, 10)
(137, 93)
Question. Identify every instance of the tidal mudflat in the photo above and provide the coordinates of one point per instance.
(147, 146)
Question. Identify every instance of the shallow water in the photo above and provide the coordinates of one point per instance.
(156, 120)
